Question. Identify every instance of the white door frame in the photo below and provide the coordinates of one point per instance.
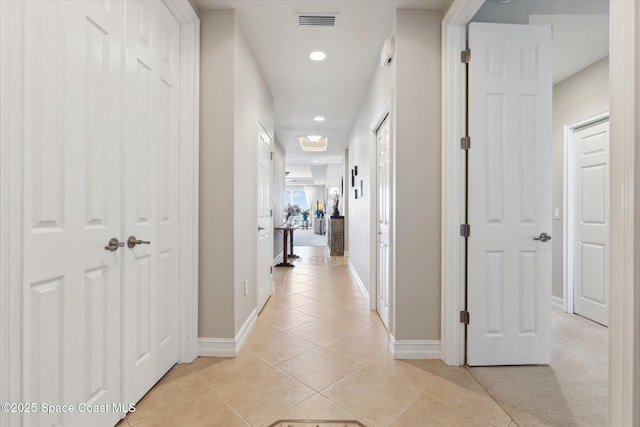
(189, 172)
(373, 206)
(624, 131)
(11, 196)
(569, 205)
(11, 199)
(261, 126)
(624, 313)
(454, 103)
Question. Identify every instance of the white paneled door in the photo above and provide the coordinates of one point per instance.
(265, 220)
(383, 220)
(150, 194)
(72, 208)
(100, 134)
(591, 240)
(509, 255)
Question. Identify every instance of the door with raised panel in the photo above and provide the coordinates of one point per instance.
(591, 240)
(383, 220)
(150, 280)
(509, 258)
(72, 148)
(265, 220)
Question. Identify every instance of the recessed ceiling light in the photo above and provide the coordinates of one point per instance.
(317, 56)
(318, 119)
(315, 161)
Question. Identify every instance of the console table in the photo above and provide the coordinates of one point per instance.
(286, 232)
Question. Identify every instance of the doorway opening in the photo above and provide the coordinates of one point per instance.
(586, 218)
(455, 36)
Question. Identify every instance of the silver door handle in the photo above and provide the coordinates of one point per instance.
(132, 242)
(113, 245)
(260, 228)
(544, 237)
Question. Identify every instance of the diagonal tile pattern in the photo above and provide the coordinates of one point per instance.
(317, 352)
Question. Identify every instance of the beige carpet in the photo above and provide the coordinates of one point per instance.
(572, 391)
(302, 237)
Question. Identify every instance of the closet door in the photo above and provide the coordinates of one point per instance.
(150, 282)
(72, 207)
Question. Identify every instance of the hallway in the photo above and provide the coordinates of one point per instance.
(316, 352)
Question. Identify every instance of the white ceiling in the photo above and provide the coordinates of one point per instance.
(578, 41)
(334, 88)
(580, 28)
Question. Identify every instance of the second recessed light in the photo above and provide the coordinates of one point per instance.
(318, 119)
(317, 56)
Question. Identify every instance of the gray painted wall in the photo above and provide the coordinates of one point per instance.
(413, 85)
(362, 153)
(417, 183)
(233, 97)
(253, 101)
(215, 292)
(582, 95)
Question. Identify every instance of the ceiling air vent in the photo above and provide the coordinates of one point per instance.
(316, 21)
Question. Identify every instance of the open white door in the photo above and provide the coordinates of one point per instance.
(383, 220)
(150, 285)
(265, 220)
(509, 271)
(591, 227)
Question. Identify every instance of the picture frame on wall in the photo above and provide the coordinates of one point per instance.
(353, 179)
(356, 193)
(355, 170)
(361, 189)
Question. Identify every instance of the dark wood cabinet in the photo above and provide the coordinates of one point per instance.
(336, 237)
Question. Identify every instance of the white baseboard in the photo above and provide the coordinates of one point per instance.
(414, 349)
(244, 331)
(227, 347)
(557, 302)
(359, 282)
(217, 347)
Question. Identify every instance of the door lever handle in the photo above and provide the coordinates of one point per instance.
(113, 245)
(260, 228)
(132, 242)
(544, 237)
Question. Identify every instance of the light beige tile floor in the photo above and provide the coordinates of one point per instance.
(317, 352)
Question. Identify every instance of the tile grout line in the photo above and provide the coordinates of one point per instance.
(489, 394)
